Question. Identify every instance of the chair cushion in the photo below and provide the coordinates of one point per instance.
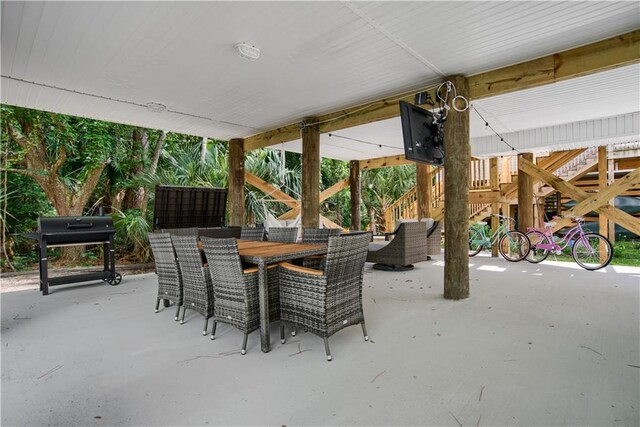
(429, 222)
(403, 221)
(376, 246)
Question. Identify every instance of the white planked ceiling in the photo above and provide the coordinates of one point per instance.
(107, 60)
(610, 93)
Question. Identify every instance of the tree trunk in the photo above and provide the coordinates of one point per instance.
(135, 197)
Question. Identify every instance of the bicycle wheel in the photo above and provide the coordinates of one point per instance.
(592, 251)
(514, 246)
(537, 255)
(476, 242)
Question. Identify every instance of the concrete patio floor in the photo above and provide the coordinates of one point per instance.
(547, 344)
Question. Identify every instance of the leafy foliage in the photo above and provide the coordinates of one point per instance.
(382, 187)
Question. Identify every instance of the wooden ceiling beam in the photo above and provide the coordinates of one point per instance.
(383, 162)
(593, 58)
(600, 56)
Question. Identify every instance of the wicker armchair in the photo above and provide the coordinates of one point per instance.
(198, 291)
(434, 229)
(317, 235)
(252, 233)
(409, 245)
(181, 231)
(236, 290)
(324, 302)
(282, 234)
(169, 278)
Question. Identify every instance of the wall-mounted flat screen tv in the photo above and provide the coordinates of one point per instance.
(423, 135)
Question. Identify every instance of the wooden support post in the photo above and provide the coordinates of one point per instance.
(456, 198)
(495, 207)
(505, 170)
(525, 196)
(603, 222)
(310, 174)
(354, 188)
(423, 190)
(236, 182)
(610, 181)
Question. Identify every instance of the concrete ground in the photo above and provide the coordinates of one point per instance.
(547, 344)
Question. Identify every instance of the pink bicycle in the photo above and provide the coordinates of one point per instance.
(590, 251)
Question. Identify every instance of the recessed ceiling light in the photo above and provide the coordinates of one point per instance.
(247, 51)
(155, 107)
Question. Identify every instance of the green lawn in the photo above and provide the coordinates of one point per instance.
(625, 252)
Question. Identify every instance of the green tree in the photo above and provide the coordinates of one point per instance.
(337, 208)
(382, 187)
(64, 155)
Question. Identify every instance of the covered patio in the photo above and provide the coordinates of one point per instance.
(548, 344)
(464, 342)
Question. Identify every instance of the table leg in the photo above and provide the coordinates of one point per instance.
(263, 296)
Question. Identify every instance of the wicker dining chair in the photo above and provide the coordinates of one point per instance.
(192, 231)
(317, 235)
(324, 302)
(169, 278)
(282, 234)
(197, 288)
(236, 289)
(252, 233)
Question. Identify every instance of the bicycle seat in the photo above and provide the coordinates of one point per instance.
(482, 223)
(549, 224)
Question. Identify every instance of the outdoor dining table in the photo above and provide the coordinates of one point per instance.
(263, 254)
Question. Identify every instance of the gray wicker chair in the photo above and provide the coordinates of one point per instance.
(192, 231)
(409, 245)
(252, 233)
(197, 288)
(434, 229)
(236, 290)
(324, 302)
(282, 234)
(169, 278)
(317, 235)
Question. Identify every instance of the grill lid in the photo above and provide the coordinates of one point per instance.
(63, 230)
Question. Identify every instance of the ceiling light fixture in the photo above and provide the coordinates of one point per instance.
(248, 51)
(155, 107)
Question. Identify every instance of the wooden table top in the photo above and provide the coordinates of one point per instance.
(262, 249)
(265, 249)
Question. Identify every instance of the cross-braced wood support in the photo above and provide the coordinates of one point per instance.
(589, 202)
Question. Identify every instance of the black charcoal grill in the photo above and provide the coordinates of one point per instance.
(70, 231)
